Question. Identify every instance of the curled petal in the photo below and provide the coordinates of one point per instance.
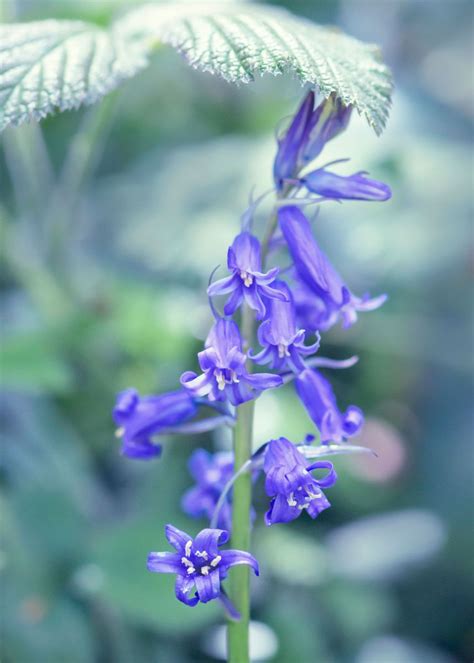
(177, 538)
(210, 540)
(142, 448)
(164, 562)
(208, 587)
(353, 420)
(199, 385)
(330, 478)
(236, 557)
(182, 588)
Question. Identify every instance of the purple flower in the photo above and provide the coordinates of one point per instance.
(225, 376)
(140, 417)
(212, 472)
(321, 297)
(309, 131)
(290, 484)
(327, 121)
(283, 344)
(247, 282)
(199, 564)
(320, 402)
(350, 187)
(290, 146)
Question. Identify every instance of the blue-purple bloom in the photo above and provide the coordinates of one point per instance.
(211, 472)
(290, 146)
(247, 282)
(321, 297)
(282, 343)
(225, 376)
(290, 484)
(345, 187)
(141, 417)
(320, 402)
(199, 564)
(309, 131)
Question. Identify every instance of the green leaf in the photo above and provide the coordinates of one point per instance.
(46, 65)
(63, 64)
(237, 41)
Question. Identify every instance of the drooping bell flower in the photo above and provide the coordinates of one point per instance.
(291, 145)
(282, 343)
(328, 120)
(247, 282)
(141, 417)
(200, 565)
(322, 298)
(318, 397)
(291, 485)
(309, 131)
(345, 187)
(211, 472)
(224, 376)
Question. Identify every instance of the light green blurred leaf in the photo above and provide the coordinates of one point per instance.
(30, 362)
(63, 64)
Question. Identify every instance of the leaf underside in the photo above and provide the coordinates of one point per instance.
(62, 64)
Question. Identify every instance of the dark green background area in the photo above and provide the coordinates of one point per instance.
(103, 284)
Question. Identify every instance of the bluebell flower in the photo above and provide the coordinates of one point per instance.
(309, 131)
(290, 146)
(247, 282)
(345, 187)
(225, 376)
(211, 472)
(328, 120)
(318, 397)
(290, 484)
(321, 297)
(141, 418)
(282, 343)
(199, 564)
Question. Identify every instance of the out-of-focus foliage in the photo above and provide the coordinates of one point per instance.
(111, 220)
(63, 64)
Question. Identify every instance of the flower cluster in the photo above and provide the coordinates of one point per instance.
(290, 308)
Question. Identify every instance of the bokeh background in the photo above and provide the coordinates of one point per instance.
(112, 219)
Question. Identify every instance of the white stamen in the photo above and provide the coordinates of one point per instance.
(190, 570)
(220, 380)
(291, 500)
(303, 506)
(216, 560)
(186, 561)
(187, 548)
(205, 570)
(234, 377)
(283, 350)
(120, 431)
(247, 279)
(201, 553)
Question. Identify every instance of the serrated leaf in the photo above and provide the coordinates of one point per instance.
(46, 65)
(237, 41)
(62, 64)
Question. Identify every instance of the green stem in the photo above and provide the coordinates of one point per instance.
(238, 632)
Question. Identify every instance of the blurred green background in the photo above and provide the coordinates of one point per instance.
(112, 218)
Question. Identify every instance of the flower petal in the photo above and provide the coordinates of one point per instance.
(177, 538)
(182, 588)
(210, 540)
(208, 587)
(235, 557)
(164, 562)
